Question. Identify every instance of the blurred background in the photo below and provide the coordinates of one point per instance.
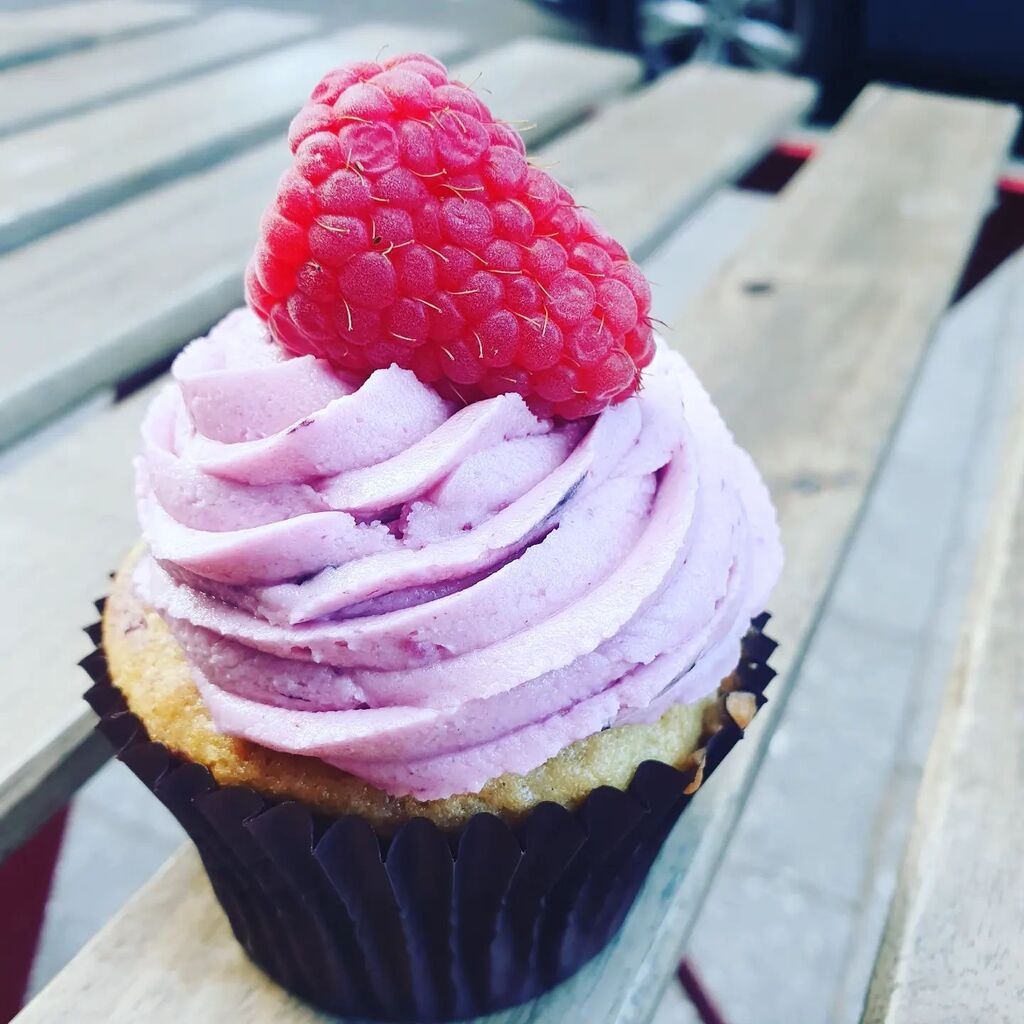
(116, 836)
(968, 46)
(971, 46)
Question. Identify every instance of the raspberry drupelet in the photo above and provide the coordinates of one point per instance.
(411, 229)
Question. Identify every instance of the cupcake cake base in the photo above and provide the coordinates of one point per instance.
(383, 907)
(152, 672)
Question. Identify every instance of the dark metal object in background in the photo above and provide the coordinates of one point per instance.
(811, 37)
(970, 46)
(766, 34)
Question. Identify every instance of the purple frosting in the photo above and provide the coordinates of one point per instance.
(429, 597)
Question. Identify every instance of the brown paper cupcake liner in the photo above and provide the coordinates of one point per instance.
(424, 925)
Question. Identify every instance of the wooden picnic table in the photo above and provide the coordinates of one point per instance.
(808, 339)
(952, 946)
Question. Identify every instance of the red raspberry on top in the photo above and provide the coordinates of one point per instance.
(410, 229)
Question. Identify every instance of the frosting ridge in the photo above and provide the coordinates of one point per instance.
(429, 596)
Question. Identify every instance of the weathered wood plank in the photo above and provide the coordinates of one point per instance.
(101, 74)
(174, 914)
(118, 290)
(809, 342)
(98, 19)
(47, 749)
(951, 951)
(829, 812)
(35, 33)
(676, 141)
(55, 174)
(547, 83)
(33, 43)
(815, 331)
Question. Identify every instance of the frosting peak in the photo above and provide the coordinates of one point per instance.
(428, 597)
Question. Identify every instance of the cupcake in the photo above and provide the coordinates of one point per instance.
(452, 578)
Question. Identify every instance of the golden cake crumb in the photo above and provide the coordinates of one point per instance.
(148, 666)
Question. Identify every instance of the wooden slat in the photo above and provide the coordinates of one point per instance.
(34, 43)
(147, 308)
(47, 747)
(39, 32)
(952, 948)
(830, 837)
(173, 915)
(118, 290)
(58, 173)
(808, 341)
(548, 84)
(66, 86)
(98, 19)
(151, 305)
(676, 141)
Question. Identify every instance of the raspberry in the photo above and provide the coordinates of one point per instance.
(411, 229)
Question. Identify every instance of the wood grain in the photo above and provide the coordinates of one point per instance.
(809, 341)
(22, 45)
(675, 141)
(157, 288)
(57, 561)
(98, 19)
(36, 33)
(952, 948)
(217, 981)
(58, 173)
(67, 85)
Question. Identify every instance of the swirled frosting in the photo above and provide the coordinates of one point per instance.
(427, 596)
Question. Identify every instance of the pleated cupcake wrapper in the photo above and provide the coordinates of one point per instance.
(423, 925)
